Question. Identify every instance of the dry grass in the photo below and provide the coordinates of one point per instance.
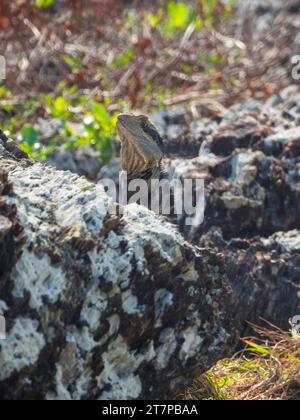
(269, 369)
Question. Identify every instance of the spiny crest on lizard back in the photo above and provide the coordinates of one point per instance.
(141, 146)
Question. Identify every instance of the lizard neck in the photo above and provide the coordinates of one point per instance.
(156, 172)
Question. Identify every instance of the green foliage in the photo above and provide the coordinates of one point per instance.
(209, 7)
(74, 63)
(214, 85)
(82, 121)
(29, 136)
(5, 95)
(177, 16)
(122, 60)
(213, 59)
(30, 142)
(44, 4)
(98, 130)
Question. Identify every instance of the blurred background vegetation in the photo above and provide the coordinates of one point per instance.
(72, 66)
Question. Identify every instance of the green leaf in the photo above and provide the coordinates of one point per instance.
(256, 348)
(5, 93)
(74, 63)
(154, 20)
(214, 59)
(43, 4)
(122, 60)
(102, 116)
(29, 135)
(209, 7)
(214, 85)
(178, 14)
(106, 149)
(61, 105)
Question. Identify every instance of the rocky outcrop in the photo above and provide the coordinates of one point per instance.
(109, 307)
(84, 160)
(97, 306)
(250, 163)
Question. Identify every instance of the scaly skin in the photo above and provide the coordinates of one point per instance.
(142, 148)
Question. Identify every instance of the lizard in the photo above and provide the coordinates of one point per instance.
(141, 148)
(143, 158)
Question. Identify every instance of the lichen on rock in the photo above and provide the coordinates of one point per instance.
(93, 297)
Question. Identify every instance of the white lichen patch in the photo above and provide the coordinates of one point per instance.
(104, 265)
(47, 197)
(292, 134)
(73, 370)
(87, 208)
(288, 241)
(93, 306)
(5, 226)
(234, 202)
(82, 386)
(3, 307)
(130, 303)
(244, 169)
(120, 365)
(220, 338)
(21, 348)
(144, 227)
(128, 388)
(192, 343)
(62, 394)
(39, 278)
(166, 349)
(83, 338)
(162, 300)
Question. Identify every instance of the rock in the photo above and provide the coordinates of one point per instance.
(250, 163)
(174, 128)
(289, 92)
(83, 160)
(111, 171)
(271, 270)
(286, 142)
(9, 148)
(98, 306)
(287, 241)
(108, 307)
(284, 136)
(49, 127)
(294, 8)
(241, 134)
(174, 132)
(247, 193)
(11, 230)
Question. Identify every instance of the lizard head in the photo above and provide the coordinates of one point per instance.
(141, 144)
